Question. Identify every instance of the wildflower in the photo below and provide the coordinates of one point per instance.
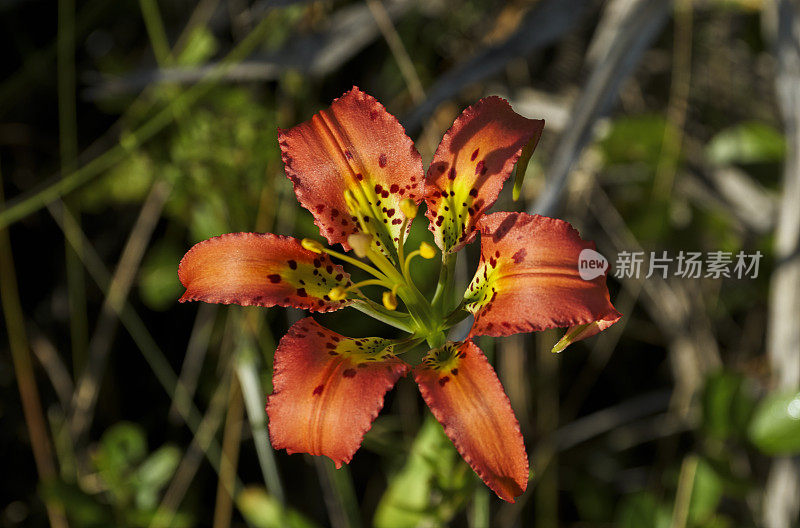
(360, 176)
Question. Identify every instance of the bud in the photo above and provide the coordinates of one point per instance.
(575, 333)
(427, 251)
(389, 300)
(408, 208)
(337, 294)
(360, 242)
(312, 245)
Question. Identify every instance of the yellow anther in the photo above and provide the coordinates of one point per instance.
(426, 251)
(409, 208)
(360, 242)
(312, 245)
(337, 294)
(389, 300)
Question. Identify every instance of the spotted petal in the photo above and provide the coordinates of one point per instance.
(528, 278)
(473, 160)
(261, 270)
(354, 145)
(328, 389)
(464, 394)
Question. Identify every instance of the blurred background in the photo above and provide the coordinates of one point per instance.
(131, 130)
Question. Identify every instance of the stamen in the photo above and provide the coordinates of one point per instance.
(355, 209)
(389, 300)
(338, 293)
(341, 256)
(408, 208)
(425, 250)
(312, 245)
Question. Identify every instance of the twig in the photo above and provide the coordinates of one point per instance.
(678, 101)
(254, 404)
(137, 329)
(193, 360)
(56, 370)
(68, 149)
(231, 440)
(190, 462)
(407, 69)
(23, 369)
(683, 497)
(88, 386)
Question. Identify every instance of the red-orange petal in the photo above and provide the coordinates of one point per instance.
(327, 390)
(473, 160)
(528, 278)
(254, 269)
(354, 145)
(464, 394)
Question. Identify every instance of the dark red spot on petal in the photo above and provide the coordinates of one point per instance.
(293, 264)
(318, 390)
(301, 292)
(274, 278)
(480, 168)
(394, 188)
(474, 155)
(443, 380)
(452, 173)
(382, 160)
(349, 373)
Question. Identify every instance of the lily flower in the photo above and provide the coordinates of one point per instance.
(355, 169)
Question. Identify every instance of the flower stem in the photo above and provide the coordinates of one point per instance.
(444, 288)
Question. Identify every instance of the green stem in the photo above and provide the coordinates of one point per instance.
(445, 286)
(155, 31)
(398, 320)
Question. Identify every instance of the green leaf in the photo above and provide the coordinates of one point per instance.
(706, 493)
(638, 139)
(643, 510)
(121, 449)
(261, 510)
(728, 403)
(414, 495)
(154, 473)
(775, 427)
(749, 142)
